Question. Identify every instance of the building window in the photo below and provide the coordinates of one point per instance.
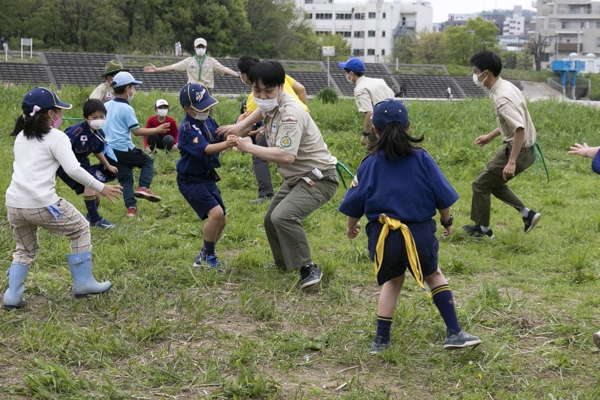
(358, 52)
(308, 1)
(359, 15)
(323, 32)
(345, 33)
(372, 15)
(323, 16)
(564, 25)
(598, 41)
(382, 33)
(359, 34)
(383, 52)
(383, 15)
(371, 33)
(597, 25)
(370, 52)
(343, 16)
(308, 15)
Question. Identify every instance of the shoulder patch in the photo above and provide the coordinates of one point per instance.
(289, 120)
(501, 104)
(285, 142)
(195, 140)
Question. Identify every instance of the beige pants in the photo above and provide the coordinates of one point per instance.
(24, 223)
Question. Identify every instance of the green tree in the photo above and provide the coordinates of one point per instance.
(476, 35)
(402, 46)
(272, 27)
(429, 48)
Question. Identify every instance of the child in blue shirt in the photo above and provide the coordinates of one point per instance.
(88, 138)
(199, 147)
(399, 187)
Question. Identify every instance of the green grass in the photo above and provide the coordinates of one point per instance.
(15, 57)
(408, 69)
(167, 330)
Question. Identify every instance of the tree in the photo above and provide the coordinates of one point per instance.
(475, 36)
(272, 27)
(537, 47)
(429, 48)
(401, 51)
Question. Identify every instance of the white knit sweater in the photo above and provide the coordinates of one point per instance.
(34, 170)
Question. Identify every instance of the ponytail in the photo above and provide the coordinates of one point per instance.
(395, 141)
(34, 125)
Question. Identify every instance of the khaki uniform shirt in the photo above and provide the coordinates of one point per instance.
(370, 91)
(103, 92)
(511, 112)
(209, 67)
(291, 129)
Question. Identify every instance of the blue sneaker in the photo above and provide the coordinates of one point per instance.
(200, 259)
(211, 261)
(103, 223)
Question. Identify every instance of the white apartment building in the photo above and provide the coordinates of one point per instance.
(572, 26)
(369, 26)
(514, 26)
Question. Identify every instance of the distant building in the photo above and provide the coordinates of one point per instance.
(369, 26)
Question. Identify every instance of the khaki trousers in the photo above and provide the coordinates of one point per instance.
(283, 220)
(490, 181)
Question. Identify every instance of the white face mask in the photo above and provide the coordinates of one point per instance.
(350, 81)
(476, 80)
(96, 124)
(201, 116)
(129, 98)
(162, 112)
(267, 105)
(200, 51)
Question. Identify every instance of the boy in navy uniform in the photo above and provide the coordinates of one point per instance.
(87, 138)
(197, 179)
(398, 187)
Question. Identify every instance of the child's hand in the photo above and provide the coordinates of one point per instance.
(232, 140)
(353, 232)
(112, 169)
(112, 192)
(163, 128)
(447, 231)
(579, 149)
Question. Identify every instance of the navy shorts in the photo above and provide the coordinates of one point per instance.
(395, 259)
(203, 196)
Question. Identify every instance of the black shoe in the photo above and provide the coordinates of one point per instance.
(310, 275)
(379, 344)
(475, 231)
(531, 220)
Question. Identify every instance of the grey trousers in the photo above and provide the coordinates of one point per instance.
(283, 220)
(489, 181)
(262, 171)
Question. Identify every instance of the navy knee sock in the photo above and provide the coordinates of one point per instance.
(209, 248)
(92, 208)
(442, 297)
(384, 325)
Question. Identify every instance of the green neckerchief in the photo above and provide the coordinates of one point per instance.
(200, 67)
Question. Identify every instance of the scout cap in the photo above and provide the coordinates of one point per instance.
(390, 110)
(111, 67)
(196, 96)
(44, 99)
(199, 41)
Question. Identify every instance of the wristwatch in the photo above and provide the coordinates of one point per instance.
(365, 133)
(448, 223)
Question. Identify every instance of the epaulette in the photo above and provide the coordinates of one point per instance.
(186, 125)
(75, 132)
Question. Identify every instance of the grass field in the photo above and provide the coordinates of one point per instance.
(170, 331)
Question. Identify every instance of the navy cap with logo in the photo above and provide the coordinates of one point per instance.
(390, 110)
(196, 96)
(44, 98)
(353, 64)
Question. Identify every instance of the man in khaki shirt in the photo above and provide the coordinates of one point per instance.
(200, 68)
(105, 91)
(295, 144)
(516, 154)
(367, 93)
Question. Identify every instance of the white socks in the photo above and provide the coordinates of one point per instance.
(524, 212)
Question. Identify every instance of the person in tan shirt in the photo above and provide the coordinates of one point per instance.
(105, 92)
(200, 68)
(515, 155)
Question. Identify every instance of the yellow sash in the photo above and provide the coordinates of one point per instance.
(411, 249)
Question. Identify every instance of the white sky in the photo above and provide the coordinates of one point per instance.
(441, 8)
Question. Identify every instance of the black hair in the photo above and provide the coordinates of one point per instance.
(243, 106)
(270, 73)
(359, 74)
(487, 61)
(91, 106)
(245, 63)
(35, 126)
(395, 141)
(121, 89)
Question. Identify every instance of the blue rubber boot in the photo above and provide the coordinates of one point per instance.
(84, 283)
(13, 297)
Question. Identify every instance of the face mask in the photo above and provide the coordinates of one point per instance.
(97, 124)
(129, 98)
(476, 80)
(266, 105)
(162, 112)
(200, 51)
(349, 80)
(201, 116)
(56, 123)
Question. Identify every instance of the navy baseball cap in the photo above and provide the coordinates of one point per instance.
(44, 98)
(390, 110)
(124, 78)
(353, 64)
(196, 96)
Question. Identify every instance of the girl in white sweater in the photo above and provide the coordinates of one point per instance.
(31, 199)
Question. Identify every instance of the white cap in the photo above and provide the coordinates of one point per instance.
(161, 102)
(199, 41)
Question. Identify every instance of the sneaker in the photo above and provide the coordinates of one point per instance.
(460, 340)
(475, 231)
(145, 193)
(200, 259)
(260, 200)
(310, 275)
(104, 224)
(531, 220)
(597, 338)
(131, 212)
(211, 261)
(379, 344)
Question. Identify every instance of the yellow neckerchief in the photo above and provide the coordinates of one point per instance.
(411, 249)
